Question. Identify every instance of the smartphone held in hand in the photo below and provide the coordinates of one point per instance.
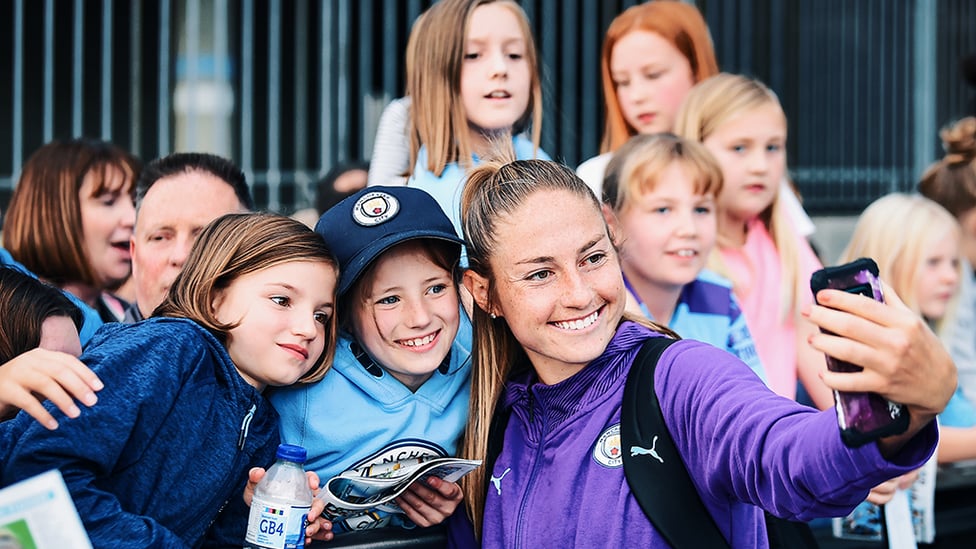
(862, 417)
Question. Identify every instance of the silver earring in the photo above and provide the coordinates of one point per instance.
(493, 316)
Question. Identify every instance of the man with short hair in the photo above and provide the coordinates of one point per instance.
(176, 197)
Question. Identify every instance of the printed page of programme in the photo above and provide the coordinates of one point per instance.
(38, 513)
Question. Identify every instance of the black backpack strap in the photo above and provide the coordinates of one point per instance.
(655, 471)
(496, 439)
(788, 534)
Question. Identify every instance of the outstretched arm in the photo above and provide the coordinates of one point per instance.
(763, 449)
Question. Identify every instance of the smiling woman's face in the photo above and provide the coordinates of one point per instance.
(557, 282)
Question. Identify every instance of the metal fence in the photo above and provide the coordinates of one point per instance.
(289, 88)
(866, 85)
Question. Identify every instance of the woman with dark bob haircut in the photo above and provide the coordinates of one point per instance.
(71, 216)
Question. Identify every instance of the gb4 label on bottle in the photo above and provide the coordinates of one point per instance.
(276, 526)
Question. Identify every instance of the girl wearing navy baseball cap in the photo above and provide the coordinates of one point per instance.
(399, 386)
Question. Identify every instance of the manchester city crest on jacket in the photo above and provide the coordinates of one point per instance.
(607, 450)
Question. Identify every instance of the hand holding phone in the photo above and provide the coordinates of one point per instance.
(862, 417)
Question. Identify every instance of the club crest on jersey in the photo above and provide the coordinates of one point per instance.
(607, 451)
(374, 208)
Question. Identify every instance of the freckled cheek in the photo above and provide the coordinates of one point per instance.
(510, 299)
(610, 284)
(525, 303)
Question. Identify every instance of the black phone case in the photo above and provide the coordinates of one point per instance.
(862, 417)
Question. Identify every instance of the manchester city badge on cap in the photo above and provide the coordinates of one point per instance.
(374, 208)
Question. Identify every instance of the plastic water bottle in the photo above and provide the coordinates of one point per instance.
(282, 499)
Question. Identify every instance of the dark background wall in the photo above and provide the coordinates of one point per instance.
(288, 88)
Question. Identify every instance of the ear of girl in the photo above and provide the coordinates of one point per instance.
(398, 388)
(490, 58)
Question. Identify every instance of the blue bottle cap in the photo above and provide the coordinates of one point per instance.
(292, 452)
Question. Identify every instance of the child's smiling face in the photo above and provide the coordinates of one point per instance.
(666, 234)
(409, 316)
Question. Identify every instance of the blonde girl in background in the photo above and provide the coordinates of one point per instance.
(740, 121)
(759, 247)
(473, 81)
(951, 182)
(916, 244)
(659, 202)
